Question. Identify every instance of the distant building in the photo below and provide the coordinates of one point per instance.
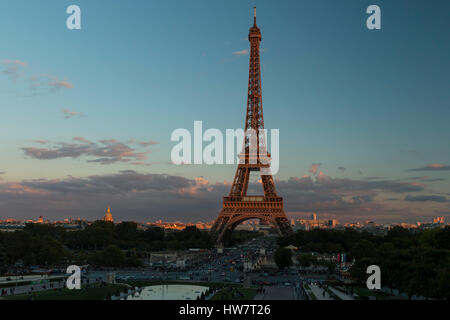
(245, 227)
(332, 223)
(438, 220)
(313, 223)
(108, 216)
(40, 220)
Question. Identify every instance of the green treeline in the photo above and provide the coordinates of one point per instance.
(415, 262)
(100, 244)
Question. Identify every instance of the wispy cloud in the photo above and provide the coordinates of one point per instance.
(13, 68)
(68, 114)
(40, 141)
(433, 167)
(142, 143)
(426, 179)
(33, 84)
(45, 83)
(241, 53)
(61, 84)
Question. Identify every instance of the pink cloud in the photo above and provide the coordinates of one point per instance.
(20, 189)
(241, 53)
(61, 84)
(314, 168)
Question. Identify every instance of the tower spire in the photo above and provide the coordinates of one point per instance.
(254, 16)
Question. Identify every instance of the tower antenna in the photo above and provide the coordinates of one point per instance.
(254, 15)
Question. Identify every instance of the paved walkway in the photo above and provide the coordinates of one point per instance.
(40, 287)
(341, 295)
(33, 288)
(277, 293)
(27, 278)
(319, 293)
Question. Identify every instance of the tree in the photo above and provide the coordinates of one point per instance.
(17, 246)
(363, 248)
(126, 231)
(153, 234)
(111, 256)
(283, 258)
(305, 259)
(442, 284)
(50, 252)
(443, 238)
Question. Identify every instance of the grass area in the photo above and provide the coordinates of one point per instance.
(90, 292)
(364, 293)
(239, 294)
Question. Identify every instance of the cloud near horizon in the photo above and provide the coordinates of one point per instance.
(142, 197)
(314, 168)
(425, 198)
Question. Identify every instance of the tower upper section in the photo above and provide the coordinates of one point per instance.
(255, 32)
(254, 118)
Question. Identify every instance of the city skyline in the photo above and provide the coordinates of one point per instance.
(89, 113)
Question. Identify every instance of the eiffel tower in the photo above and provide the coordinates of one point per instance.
(238, 206)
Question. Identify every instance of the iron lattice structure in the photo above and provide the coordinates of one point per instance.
(237, 206)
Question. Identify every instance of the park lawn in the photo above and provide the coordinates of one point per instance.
(95, 292)
(248, 294)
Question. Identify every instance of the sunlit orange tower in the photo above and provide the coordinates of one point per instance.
(238, 206)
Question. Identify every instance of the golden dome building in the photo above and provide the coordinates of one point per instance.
(108, 216)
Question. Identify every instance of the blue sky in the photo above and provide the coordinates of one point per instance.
(373, 102)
